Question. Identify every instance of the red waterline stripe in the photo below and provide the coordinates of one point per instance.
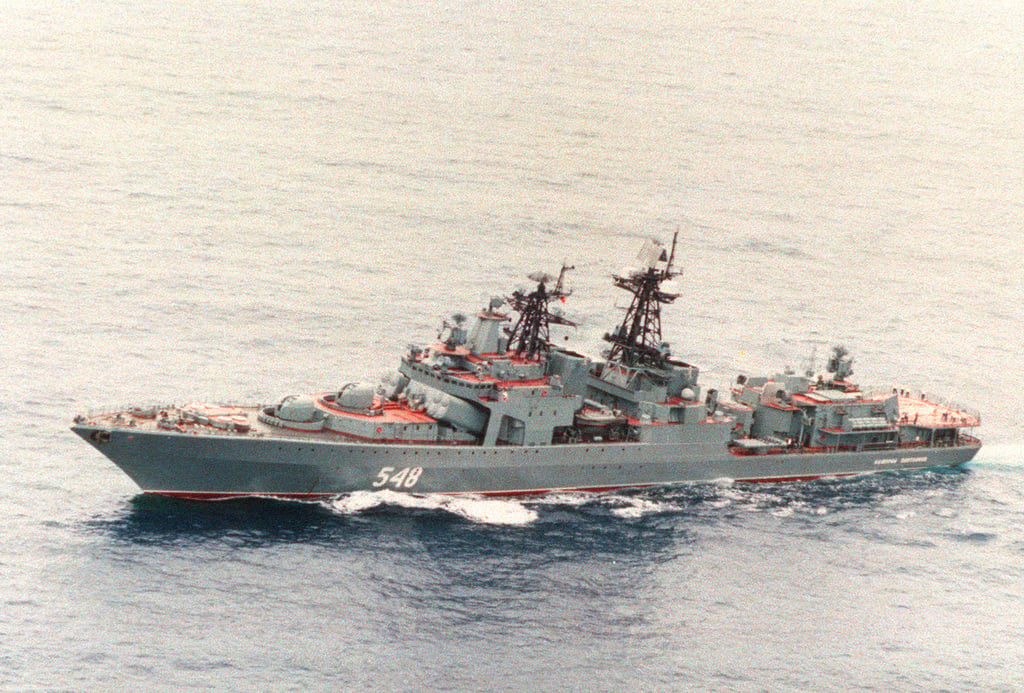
(220, 496)
(217, 496)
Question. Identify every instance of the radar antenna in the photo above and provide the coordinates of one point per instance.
(637, 341)
(840, 363)
(530, 336)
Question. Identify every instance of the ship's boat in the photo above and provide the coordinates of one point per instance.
(494, 407)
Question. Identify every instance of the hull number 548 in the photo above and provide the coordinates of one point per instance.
(406, 477)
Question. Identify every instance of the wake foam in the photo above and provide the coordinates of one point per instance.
(632, 507)
(1004, 455)
(487, 511)
(490, 511)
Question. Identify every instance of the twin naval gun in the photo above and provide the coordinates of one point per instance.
(496, 408)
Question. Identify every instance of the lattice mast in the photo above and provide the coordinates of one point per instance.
(637, 341)
(531, 335)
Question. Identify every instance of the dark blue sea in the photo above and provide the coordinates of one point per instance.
(237, 201)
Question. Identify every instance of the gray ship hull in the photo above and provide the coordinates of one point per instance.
(495, 408)
(215, 467)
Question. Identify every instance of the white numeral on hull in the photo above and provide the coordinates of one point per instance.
(406, 477)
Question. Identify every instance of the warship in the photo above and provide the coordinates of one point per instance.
(495, 407)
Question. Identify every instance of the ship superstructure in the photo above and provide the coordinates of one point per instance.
(495, 407)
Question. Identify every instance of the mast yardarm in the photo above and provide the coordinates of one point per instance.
(637, 341)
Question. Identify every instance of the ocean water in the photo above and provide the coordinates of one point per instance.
(241, 200)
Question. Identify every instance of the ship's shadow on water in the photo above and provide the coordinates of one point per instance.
(159, 520)
(603, 522)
